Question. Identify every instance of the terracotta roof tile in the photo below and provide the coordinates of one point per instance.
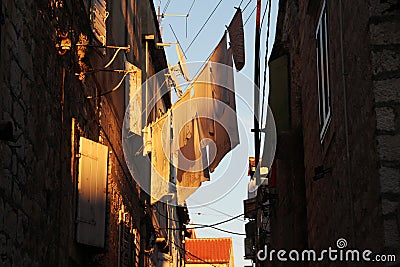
(212, 250)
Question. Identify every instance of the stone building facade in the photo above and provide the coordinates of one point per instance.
(334, 92)
(55, 97)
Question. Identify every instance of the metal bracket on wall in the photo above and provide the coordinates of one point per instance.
(91, 222)
(319, 172)
(64, 45)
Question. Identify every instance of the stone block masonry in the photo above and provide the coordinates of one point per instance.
(41, 95)
(358, 196)
(29, 168)
(385, 50)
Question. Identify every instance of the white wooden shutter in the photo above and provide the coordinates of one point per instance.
(92, 183)
(98, 16)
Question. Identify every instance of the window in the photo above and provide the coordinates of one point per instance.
(127, 245)
(98, 16)
(324, 97)
(129, 240)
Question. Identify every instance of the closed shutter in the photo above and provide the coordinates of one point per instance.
(136, 247)
(129, 245)
(92, 182)
(279, 92)
(126, 239)
(98, 16)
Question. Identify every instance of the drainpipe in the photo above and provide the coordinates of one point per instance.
(257, 94)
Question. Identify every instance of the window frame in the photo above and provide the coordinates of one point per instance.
(322, 53)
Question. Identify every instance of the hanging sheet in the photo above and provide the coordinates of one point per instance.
(236, 37)
(160, 157)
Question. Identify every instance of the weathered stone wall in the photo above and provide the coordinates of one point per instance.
(384, 24)
(41, 95)
(30, 168)
(288, 212)
(361, 159)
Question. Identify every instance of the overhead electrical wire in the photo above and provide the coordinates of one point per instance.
(183, 249)
(112, 90)
(249, 16)
(177, 40)
(204, 24)
(209, 214)
(186, 251)
(227, 231)
(215, 228)
(197, 226)
(248, 3)
(201, 67)
(212, 226)
(190, 9)
(223, 213)
(202, 226)
(222, 222)
(208, 57)
(187, 16)
(236, 233)
(115, 87)
(220, 212)
(208, 227)
(166, 7)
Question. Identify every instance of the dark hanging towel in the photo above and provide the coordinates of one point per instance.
(236, 37)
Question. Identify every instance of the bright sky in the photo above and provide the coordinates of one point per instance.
(222, 197)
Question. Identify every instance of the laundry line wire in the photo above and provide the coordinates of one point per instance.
(204, 24)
